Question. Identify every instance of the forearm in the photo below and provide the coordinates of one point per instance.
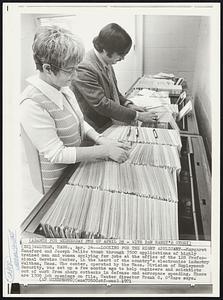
(124, 101)
(91, 153)
(92, 134)
(109, 108)
(71, 155)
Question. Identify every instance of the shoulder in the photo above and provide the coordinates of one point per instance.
(90, 55)
(26, 94)
(89, 62)
(31, 100)
(30, 107)
(31, 92)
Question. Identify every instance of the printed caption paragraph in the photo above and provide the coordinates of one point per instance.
(114, 261)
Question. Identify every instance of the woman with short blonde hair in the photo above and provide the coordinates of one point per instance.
(58, 46)
(52, 123)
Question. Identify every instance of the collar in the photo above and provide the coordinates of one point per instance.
(101, 59)
(49, 91)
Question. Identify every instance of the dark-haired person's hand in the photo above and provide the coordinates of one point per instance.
(147, 116)
(136, 107)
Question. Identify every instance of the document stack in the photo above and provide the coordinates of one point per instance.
(159, 84)
(137, 199)
(158, 102)
(145, 97)
(152, 100)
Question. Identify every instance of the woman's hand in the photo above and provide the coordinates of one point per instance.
(110, 142)
(117, 153)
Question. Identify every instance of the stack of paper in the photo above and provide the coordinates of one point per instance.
(158, 102)
(162, 75)
(149, 97)
(153, 94)
(146, 101)
(159, 85)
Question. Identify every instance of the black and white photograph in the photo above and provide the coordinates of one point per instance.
(111, 149)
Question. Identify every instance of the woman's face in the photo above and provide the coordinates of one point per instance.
(64, 76)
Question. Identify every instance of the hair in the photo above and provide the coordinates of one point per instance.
(113, 38)
(57, 46)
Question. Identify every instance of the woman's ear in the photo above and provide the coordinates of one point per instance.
(46, 68)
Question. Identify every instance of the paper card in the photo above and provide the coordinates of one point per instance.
(185, 110)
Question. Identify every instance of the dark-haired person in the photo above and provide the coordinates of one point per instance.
(95, 84)
(52, 123)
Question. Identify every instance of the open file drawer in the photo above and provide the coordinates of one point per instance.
(194, 194)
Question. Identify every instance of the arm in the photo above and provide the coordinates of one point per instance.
(40, 128)
(124, 101)
(115, 152)
(141, 114)
(128, 103)
(88, 85)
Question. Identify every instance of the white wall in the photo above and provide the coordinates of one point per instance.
(28, 29)
(180, 45)
(130, 69)
(170, 44)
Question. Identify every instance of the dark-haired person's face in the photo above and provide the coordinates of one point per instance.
(114, 58)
